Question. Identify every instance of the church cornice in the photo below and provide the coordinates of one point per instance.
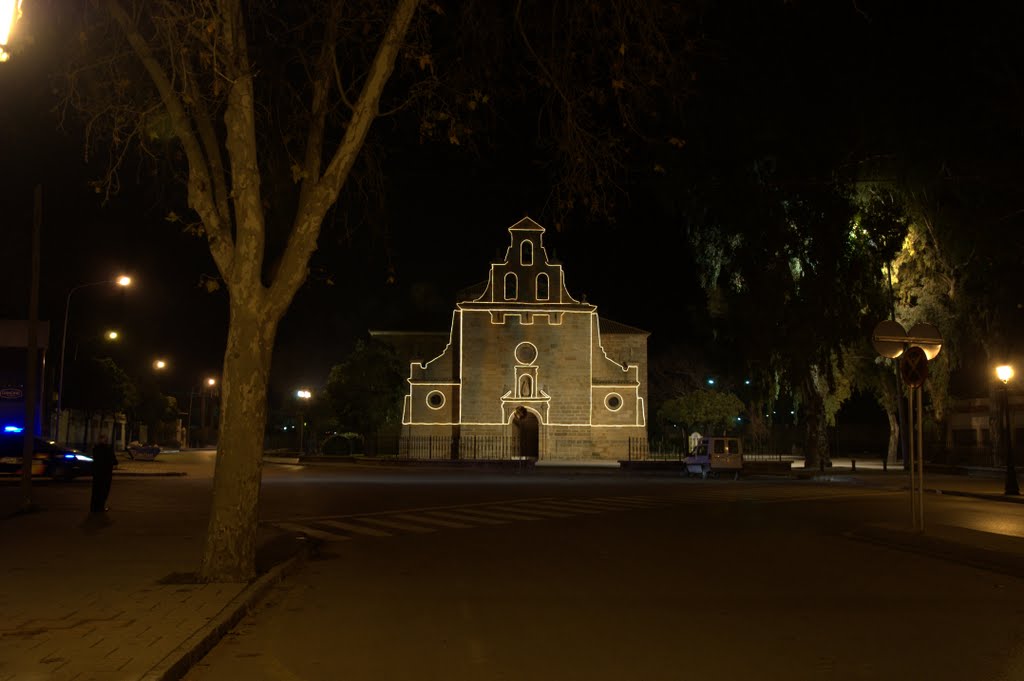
(515, 307)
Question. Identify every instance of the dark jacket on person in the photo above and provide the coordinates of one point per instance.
(103, 457)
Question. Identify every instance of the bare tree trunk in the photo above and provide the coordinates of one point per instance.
(894, 435)
(816, 451)
(230, 552)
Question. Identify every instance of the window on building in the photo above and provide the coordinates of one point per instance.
(511, 286)
(542, 286)
(526, 253)
(435, 399)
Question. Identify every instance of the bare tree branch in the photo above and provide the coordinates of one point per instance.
(200, 182)
(311, 212)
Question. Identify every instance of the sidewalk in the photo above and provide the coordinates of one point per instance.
(104, 598)
(998, 547)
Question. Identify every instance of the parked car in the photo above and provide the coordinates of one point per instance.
(137, 450)
(48, 458)
(715, 455)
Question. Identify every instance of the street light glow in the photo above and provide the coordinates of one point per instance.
(1004, 373)
(10, 12)
(113, 335)
(303, 394)
(159, 364)
(122, 280)
(211, 382)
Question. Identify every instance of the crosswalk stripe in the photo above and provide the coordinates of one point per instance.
(533, 510)
(611, 505)
(423, 518)
(567, 506)
(312, 532)
(358, 529)
(407, 527)
(464, 517)
(500, 513)
(507, 515)
(635, 501)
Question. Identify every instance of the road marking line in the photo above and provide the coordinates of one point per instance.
(496, 513)
(419, 518)
(639, 499)
(569, 506)
(312, 532)
(524, 508)
(612, 505)
(407, 527)
(460, 516)
(358, 529)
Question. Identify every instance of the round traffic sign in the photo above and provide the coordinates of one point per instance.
(927, 337)
(914, 367)
(889, 339)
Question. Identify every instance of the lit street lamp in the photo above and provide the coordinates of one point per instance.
(159, 364)
(303, 395)
(10, 12)
(120, 281)
(209, 383)
(1004, 373)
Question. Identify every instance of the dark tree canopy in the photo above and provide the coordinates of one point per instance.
(365, 391)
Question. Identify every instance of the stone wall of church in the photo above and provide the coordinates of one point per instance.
(561, 357)
(628, 349)
(613, 443)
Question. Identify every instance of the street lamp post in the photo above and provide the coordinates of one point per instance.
(1005, 373)
(303, 395)
(208, 383)
(120, 281)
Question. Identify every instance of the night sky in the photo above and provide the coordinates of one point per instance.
(812, 84)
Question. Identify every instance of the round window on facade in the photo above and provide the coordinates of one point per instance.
(613, 401)
(435, 399)
(526, 353)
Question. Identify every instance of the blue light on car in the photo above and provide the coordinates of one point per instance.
(13, 429)
(69, 456)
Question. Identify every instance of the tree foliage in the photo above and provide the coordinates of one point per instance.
(704, 410)
(365, 391)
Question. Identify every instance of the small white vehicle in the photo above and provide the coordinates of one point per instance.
(715, 455)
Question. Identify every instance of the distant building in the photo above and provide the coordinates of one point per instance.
(525, 366)
(13, 371)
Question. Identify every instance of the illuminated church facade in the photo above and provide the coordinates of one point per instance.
(525, 362)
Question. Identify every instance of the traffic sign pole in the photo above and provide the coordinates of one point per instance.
(913, 349)
(913, 451)
(920, 458)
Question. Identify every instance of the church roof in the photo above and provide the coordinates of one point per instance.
(610, 327)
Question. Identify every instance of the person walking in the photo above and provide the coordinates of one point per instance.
(103, 462)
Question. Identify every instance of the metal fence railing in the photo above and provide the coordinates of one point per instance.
(641, 449)
(462, 448)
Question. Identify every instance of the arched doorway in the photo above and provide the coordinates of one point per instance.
(528, 429)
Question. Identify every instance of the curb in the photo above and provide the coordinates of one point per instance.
(177, 663)
(984, 558)
(975, 495)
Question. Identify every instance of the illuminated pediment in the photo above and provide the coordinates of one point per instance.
(525, 277)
